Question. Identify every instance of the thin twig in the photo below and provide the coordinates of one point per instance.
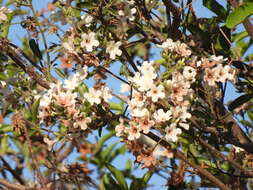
(13, 172)
(40, 176)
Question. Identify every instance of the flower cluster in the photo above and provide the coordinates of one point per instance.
(165, 103)
(149, 95)
(128, 11)
(63, 97)
(216, 72)
(178, 47)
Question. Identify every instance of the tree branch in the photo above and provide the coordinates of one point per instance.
(13, 186)
(225, 158)
(16, 56)
(181, 156)
(13, 172)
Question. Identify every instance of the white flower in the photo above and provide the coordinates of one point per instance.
(184, 125)
(113, 49)
(132, 14)
(69, 46)
(167, 45)
(66, 99)
(72, 82)
(156, 92)
(55, 87)
(237, 149)
(3, 12)
(93, 96)
(189, 73)
(172, 132)
(138, 99)
(128, 13)
(45, 100)
(161, 116)
(87, 19)
(148, 70)
(139, 112)
(145, 83)
(218, 59)
(50, 143)
(125, 88)
(134, 132)
(120, 128)
(180, 113)
(89, 41)
(121, 13)
(106, 94)
(81, 121)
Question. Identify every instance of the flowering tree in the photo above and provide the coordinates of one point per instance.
(170, 112)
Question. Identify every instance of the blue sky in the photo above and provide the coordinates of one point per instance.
(17, 32)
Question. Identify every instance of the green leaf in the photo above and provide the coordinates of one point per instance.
(102, 141)
(136, 184)
(141, 183)
(59, 73)
(107, 152)
(246, 123)
(193, 150)
(239, 36)
(22, 147)
(239, 14)
(250, 115)
(35, 48)
(118, 176)
(86, 5)
(147, 177)
(109, 183)
(34, 110)
(239, 101)
(116, 106)
(5, 128)
(215, 7)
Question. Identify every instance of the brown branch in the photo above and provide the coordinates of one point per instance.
(59, 159)
(16, 56)
(13, 186)
(173, 31)
(13, 172)
(232, 162)
(249, 27)
(40, 176)
(181, 156)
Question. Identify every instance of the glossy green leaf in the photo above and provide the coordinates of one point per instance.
(35, 48)
(239, 36)
(116, 106)
(118, 176)
(238, 15)
(147, 177)
(215, 7)
(239, 101)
